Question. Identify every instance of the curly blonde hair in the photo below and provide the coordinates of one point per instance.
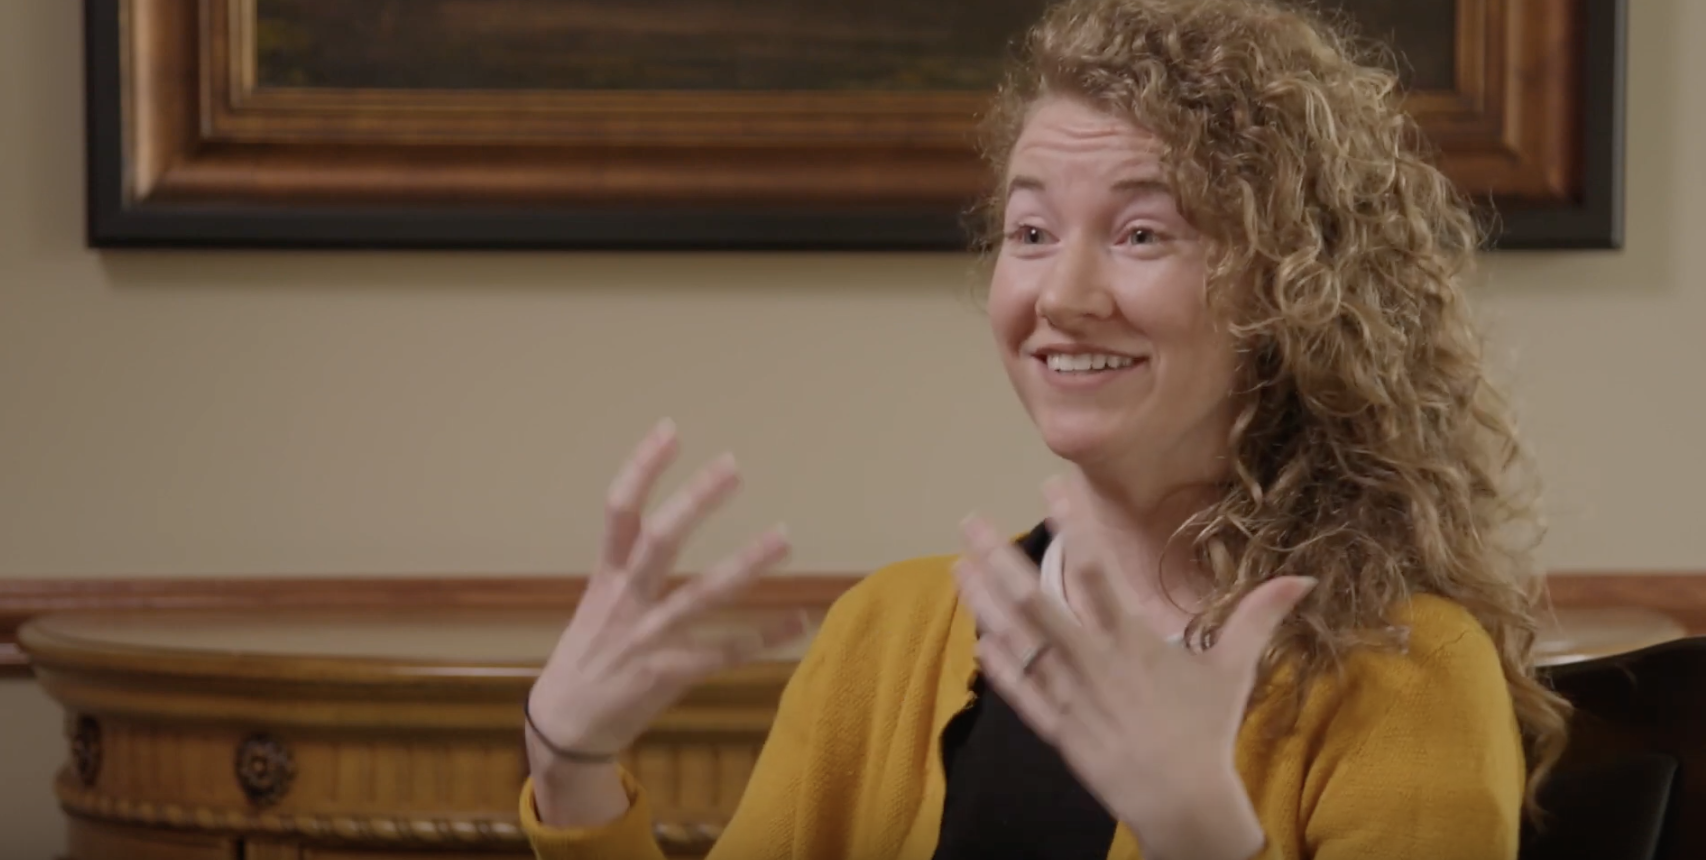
(1370, 449)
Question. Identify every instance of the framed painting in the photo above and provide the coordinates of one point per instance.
(749, 124)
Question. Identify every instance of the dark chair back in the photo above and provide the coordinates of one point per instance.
(1632, 785)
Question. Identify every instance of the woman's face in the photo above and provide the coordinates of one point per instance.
(1098, 302)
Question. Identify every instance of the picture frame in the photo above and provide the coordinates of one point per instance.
(189, 145)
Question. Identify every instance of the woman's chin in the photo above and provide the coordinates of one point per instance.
(1079, 446)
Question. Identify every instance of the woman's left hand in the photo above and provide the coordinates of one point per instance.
(1148, 727)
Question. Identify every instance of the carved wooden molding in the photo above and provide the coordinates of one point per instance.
(85, 736)
(265, 769)
(356, 828)
(674, 839)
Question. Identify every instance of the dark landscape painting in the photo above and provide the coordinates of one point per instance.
(1422, 35)
(752, 45)
(639, 44)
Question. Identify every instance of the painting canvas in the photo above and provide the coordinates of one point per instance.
(750, 45)
(743, 45)
(1422, 36)
(718, 123)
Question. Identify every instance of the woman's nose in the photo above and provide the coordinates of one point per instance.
(1078, 286)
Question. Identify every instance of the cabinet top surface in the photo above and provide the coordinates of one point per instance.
(505, 643)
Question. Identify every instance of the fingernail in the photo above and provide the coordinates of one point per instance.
(665, 427)
(780, 530)
(1309, 583)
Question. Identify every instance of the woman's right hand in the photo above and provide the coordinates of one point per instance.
(629, 652)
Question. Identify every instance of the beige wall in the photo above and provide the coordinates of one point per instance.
(219, 413)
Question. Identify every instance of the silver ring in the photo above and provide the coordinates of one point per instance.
(1031, 656)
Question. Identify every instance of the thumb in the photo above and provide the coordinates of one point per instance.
(1258, 615)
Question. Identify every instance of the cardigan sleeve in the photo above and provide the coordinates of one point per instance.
(626, 838)
(1424, 761)
(762, 827)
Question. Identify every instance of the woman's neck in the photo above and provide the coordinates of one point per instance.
(1142, 537)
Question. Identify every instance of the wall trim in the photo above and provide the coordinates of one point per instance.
(1680, 595)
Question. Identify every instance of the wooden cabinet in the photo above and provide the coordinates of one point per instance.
(308, 736)
(296, 735)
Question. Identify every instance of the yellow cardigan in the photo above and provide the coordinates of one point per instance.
(1405, 756)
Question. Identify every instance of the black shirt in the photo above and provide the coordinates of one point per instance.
(1009, 794)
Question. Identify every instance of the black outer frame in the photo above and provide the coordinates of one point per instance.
(1595, 222)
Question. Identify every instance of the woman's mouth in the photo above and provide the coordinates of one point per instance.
(1087, 362)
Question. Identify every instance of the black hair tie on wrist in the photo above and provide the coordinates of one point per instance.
(572, 755)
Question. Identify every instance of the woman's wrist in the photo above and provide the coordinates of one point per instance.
(574, 785)
(569, 794)
(576, 754)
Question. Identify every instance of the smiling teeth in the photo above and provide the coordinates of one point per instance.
(1090, 362)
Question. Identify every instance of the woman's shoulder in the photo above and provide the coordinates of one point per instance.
(1443, 660)
(1431, 722)
(1438, 636)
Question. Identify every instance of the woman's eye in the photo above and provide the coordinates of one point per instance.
(1141, 236)
(1025, 234)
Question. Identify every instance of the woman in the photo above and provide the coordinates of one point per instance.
(1269, 615)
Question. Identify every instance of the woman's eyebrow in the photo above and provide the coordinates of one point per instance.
(1024, 183)
(1142, 186)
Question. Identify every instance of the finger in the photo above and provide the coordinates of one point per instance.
(1047, 672)
(625, 502)
(1116, 620)
(786, 630)
(1108, 614)
(717, 586)
(1251, 627)
(1111, 601)
(1013, 587)
(996, 610)
(663, 532)
(1021, 692)
(686, 663)
(992, 615)
(1105, 606)
(687, 657)
(997, 621)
